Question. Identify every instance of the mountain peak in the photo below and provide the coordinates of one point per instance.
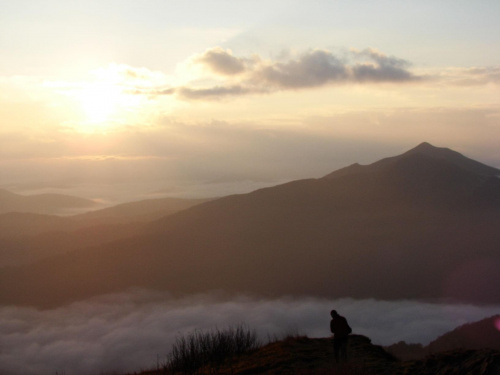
(453, 157)
(430, 150)
(426, 150)
(425, 146)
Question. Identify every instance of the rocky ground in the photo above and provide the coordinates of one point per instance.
(302, 355)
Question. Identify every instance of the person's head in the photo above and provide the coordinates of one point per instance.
(333, 313)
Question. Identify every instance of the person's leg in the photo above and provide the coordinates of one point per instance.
(344, 350)
(336, 349)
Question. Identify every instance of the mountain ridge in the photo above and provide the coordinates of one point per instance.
(26, 237)
(42, 203)
(382, 235)
(482, 334)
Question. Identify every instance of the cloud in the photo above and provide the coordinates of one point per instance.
(222, 61)
(216, 92)
(311, 69)
(473, 76)
(382, 68)
(131, 331)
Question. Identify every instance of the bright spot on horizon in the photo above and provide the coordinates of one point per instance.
(106, 99)
(100, 102)
(497, 323)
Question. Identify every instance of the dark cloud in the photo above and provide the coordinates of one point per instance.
(312, 69)
(318, 68)
(381, 68)
(130, 331)
(315, 68)
(222, 61)
(216, 92)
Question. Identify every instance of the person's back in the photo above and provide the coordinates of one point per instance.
(341, 330)
(339, 326)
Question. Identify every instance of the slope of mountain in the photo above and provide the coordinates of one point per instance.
(42, 203)
(302, 355)
(141, 211)
(18, 224)
(484, 334)
(27, 237)
(477, 335)
(420, 225)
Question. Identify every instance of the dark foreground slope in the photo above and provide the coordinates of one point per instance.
(423, 224)
(315, 356)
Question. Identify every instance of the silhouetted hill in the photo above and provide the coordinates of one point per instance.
(420, 225)
(477, 335)
(484, 334)
(140, 211)
(28, 237)
(42, 203)
(303, 355)
(17, 224)
(436, 153)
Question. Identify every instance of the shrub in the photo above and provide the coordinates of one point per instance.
(198, 349)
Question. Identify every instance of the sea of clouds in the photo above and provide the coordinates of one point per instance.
(134, 331)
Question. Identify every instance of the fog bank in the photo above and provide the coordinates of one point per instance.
(135, 330)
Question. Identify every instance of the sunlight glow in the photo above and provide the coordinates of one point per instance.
(107, 98)
(100, 102)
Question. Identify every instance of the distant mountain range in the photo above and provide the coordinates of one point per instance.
(42, 203)
(423, 224)
(477, 335)
(26, 237)
(484, 334)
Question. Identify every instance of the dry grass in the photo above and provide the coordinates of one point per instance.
(212, 349)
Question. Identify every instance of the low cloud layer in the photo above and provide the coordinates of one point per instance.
(133, 331)
(314, 68)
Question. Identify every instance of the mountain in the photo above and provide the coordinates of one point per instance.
(42, 203)
(27, 237)
(421, 225)
(477, 335)
(141, 211)
(484, 334)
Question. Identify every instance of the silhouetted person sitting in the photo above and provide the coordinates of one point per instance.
(341, 331)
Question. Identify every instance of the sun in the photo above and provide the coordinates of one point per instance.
(109, 98)
(105, 104)
(106, 101)
(100, 102)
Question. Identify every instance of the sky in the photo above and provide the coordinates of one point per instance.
(134, 331)
(116, 100)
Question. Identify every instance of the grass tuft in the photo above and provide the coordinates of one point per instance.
(211, 348)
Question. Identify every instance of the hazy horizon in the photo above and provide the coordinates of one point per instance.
(114, 100)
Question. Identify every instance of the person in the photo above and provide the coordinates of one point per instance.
(341, 330)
